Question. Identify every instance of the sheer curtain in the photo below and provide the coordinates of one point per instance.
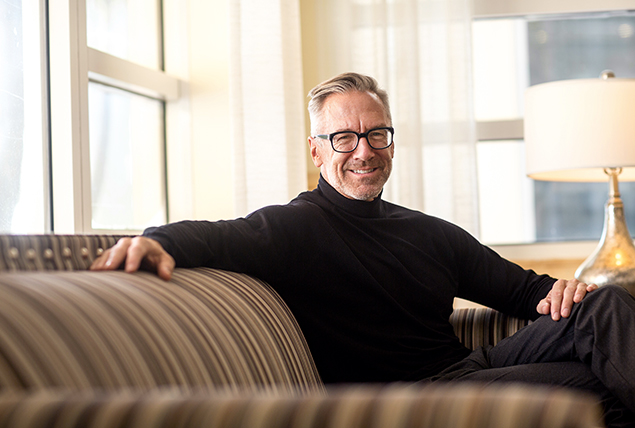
(267, 103)
(419, 50)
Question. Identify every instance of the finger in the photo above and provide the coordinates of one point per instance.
(557, 293)
(544, 307)
(165, 268)
(159, 261)
(112, 257)
(581, 290)
(149, 255)
(100, 262)
(139, 249)
(573, 290)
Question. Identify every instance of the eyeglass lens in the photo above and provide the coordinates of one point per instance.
(347, 141)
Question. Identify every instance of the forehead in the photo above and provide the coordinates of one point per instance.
(354, 109)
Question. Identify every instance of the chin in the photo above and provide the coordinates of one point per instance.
(363, 196)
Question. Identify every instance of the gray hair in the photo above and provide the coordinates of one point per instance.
(345, 82)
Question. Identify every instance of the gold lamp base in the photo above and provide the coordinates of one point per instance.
(613, 261)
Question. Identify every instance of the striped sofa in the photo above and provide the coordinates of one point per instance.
(209, 349)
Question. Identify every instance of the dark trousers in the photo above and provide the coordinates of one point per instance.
(593, 350)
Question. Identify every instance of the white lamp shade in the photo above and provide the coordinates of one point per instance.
(576, 128)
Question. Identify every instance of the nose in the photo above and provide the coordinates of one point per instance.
(363, 149)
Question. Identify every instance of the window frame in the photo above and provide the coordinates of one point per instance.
(72, 65)
(514, 129)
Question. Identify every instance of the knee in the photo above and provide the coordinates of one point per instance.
(610, 290)
(607, 295)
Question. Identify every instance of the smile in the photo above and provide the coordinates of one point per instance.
(363, 171)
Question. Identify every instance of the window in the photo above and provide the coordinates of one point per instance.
(511, 54)
(92, 62)
(126, 159)
(126, 138)
(84, 98)
(23, 145)
(127, 29)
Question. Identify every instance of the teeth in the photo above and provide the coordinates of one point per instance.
(363, 171)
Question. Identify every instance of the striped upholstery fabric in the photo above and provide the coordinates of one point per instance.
(475, 327)
(484, 326)
(395, 406)
(51, 252)
(111, 329)
(209, 349)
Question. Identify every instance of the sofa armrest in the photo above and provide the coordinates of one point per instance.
(52, 252)
(393, 406)
(484, 326)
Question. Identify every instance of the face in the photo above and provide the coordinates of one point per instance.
(362, 173)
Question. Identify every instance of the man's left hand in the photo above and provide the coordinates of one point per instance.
(562, 296)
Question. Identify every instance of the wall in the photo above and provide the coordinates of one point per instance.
(310, 41)
(210, 113)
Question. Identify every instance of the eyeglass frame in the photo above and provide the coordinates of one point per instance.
(359, 137)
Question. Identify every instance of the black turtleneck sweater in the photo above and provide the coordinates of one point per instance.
(370, 283)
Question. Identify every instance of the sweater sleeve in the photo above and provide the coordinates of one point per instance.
(251, 245)
(487, 278)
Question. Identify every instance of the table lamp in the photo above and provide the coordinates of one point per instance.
(584, 130)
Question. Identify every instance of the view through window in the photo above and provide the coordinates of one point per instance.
(509, 55)
(127, 130)
(23, 162)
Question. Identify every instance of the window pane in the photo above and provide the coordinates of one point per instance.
(505, 193)
(22, 166)
(126, 159)
(581, 48)
(510, 55)
(128, 29)
(513, 53)
(571, 211)
(500, 68)
(574, 49)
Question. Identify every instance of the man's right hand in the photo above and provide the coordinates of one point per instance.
(138, 252)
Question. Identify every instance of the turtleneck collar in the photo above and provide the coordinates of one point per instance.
(367, 209)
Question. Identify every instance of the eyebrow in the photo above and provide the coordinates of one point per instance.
(350, 130)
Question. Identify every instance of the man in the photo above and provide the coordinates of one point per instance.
(372, 284)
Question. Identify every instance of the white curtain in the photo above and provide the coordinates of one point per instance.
(419, 50)
(267, 102)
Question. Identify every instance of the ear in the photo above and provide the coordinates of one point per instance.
(315, 152)
(392, 150)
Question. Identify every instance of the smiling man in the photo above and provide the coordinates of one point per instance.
(372, 283)
(358, 160)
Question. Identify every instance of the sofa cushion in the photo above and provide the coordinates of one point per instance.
(110, 330)
(363, 406)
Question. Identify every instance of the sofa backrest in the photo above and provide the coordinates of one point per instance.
(51, 252)
(109, 330)
(90, 294)
(63, 326)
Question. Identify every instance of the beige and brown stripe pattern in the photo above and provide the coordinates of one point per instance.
(394, 406)
(483, 326)
(209, 349)
(110, 330)
(51, 252)
(475, 327)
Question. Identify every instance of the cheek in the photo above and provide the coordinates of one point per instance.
(338, 163)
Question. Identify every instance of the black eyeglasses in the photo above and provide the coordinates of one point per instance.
(347, 141)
